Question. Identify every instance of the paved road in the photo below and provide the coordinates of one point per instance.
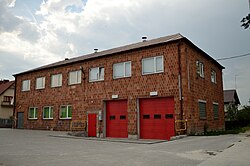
(238, 154)
(40, 148)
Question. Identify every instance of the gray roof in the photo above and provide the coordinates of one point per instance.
(231, 96)
(125, 48)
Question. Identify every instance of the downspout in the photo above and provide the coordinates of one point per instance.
(180, 81)
(14, 110)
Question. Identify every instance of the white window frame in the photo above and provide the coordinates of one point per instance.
(35, 109)
(213, 77)
(67, 111)
(77, 74)
(200, 68)
(42, 79)
(99, 76)
(50, 109)
(124, 69)
(155, 65)
(26, 85)
(59, 80)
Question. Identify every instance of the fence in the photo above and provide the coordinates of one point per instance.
(5, 123)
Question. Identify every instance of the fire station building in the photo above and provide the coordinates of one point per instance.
(153, 89)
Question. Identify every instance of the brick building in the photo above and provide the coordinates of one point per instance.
(6, 102)
(153, 89)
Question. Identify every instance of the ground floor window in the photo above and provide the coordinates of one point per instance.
(216, 110)
(66, 112)
(48, 112)
(32, 113)
(202, 109)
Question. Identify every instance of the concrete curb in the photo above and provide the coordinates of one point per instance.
(177, 137)
(112, 139)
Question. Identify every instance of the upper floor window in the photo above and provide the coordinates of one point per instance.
(213, 76)
(56, 80)
(200, 68)
(75, 77)
(122, 69)
(8, 100)
(32, 113)
(66, 112)
(96, 74)
(40, 83)
(152, 65)
(202, 109)
(26, 85)
(48, 112)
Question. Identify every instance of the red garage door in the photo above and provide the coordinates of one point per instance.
(117, 119)
(157, 118)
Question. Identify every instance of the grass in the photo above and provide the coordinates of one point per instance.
(231, 131)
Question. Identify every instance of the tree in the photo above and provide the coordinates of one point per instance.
(232, 111)
(244, 114)
(246, 22)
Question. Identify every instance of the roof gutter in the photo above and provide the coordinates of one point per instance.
(180, 80)
(14, 110)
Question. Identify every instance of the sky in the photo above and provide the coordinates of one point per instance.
(35, 33)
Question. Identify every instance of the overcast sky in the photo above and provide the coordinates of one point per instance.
(38, 32)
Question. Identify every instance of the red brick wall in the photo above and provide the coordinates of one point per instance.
(197, 88)
(90, 96)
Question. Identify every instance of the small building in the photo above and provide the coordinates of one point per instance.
(231, 100)
(7, 89)
(153, 89)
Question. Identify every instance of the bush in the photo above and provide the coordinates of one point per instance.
(244, 114)
(232, 113)
(237, 118)
(231, 131)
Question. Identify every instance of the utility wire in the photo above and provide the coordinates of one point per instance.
(233, 57)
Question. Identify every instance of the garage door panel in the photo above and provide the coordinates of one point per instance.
(116, 119)
(156, 118)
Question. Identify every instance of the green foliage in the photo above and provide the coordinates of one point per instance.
(244, 114)
(232, 131)
(239, 121)
(246, 22)
(232, 112)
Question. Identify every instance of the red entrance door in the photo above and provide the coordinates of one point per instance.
(92, 125)
(117, 119)
(157, 118)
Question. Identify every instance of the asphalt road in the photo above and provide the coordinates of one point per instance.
(40, 148)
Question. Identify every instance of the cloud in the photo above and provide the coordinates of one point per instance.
(8, 22)
(236, 76)
(17, 25)
(12, 3)
(16, 63)
(58, 28)
(28, 40)
(32, 52)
